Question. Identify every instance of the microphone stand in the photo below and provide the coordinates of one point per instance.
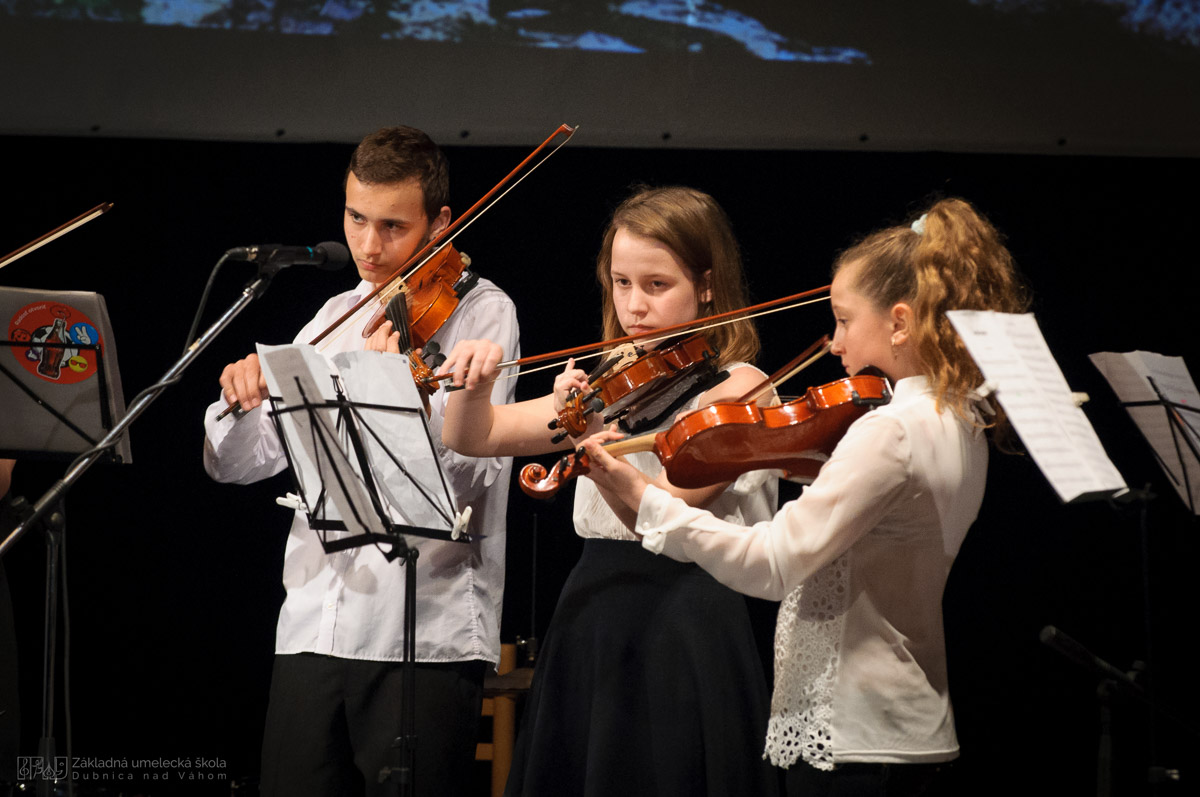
(55, 525)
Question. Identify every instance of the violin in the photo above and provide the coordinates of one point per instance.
(720, 442)
(419, 306)
(639, 392)
(431, 292)
(422, 365)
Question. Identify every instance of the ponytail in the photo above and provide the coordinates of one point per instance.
(950, 258)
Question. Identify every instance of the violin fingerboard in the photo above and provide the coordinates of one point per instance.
(397, 313)
(663, 405)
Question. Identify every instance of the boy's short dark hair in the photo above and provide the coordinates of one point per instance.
(397, 154)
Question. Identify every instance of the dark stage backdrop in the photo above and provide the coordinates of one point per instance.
(1051, 76)
(174, 580)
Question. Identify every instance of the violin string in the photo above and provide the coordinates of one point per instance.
(661, 338)
(775, 383)
(448, 241)
(385, 296)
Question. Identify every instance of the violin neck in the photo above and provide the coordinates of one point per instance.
(632, 445)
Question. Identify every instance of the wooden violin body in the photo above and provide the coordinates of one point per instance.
(719, 442)
(432, 292)
(643, 389)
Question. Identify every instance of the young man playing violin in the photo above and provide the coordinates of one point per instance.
(335, 702)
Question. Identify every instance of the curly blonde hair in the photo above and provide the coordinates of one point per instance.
(698, 231)
(950, 258)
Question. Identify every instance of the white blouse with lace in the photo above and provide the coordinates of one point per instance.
(860, 561)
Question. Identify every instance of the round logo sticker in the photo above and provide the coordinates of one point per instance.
(49, 322)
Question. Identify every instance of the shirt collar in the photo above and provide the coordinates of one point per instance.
(359, 292)
(910, 386)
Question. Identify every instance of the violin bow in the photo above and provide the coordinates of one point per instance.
(443, 239)
(698, 325)
(57, 232)
(795, 366)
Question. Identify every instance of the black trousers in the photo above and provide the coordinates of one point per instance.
(332, 724)
(867, 780)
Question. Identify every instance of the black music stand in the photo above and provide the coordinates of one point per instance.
(60, 386)
(354, 490)
(1169, 427)
(1179, 419)
(47, 510)
(1162, 400)
(58, 375)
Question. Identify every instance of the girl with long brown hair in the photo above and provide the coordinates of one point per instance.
(648, 681)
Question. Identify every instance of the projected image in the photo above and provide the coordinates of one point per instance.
(633, 26)
(756, 27)
(1173, 20)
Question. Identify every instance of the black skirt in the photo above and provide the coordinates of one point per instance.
(649, 683)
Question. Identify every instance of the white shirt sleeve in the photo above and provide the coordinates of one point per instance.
(859, 485)
(488, 315)
(241, 451)
(247, 449)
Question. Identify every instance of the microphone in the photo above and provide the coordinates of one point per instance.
(329, 256)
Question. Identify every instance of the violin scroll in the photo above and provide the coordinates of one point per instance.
(537, 482)
(573, 418)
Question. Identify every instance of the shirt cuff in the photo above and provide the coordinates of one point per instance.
(649, 520)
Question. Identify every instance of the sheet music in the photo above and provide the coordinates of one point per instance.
(1129, 374)
(1015, 360)
(418, 495)
(413, 492)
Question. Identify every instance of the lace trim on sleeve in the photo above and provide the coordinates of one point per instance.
(807, 649)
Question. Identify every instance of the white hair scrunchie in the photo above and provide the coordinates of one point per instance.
(918, 226)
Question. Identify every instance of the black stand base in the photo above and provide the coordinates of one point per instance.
(404, 772)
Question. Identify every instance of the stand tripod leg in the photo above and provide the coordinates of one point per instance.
(54, 523)
(1104, 762)
(406, 743)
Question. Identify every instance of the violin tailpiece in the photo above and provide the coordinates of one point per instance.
(660, 407)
